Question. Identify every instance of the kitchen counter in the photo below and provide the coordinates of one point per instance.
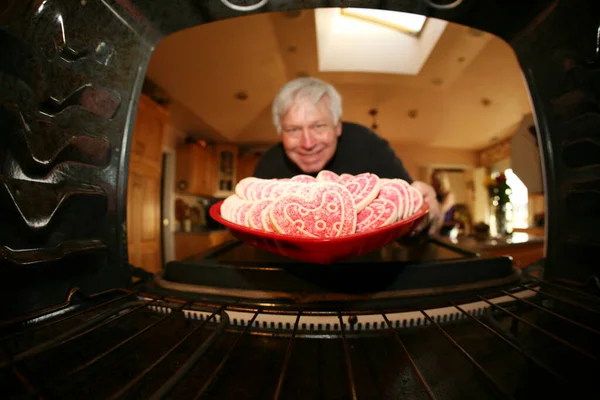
(522, 247)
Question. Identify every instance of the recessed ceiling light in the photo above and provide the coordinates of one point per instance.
(405, 22)
(475, 32)
(292, 14)
(241, 95)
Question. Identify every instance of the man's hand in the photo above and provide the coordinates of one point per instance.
(435, 218)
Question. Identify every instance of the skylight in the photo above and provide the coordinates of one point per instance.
(352, 44)
(404, 22)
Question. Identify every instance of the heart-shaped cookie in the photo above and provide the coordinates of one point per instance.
(228, 205)
(328, 176)
(364, 189)
(240, 212)
(265, 219)
(303, 179)
(344, 178)
(416, 199)
(397, 191)
(243, 188)
(279, 189)
(380, 212)
(255, 213)
(326, 211)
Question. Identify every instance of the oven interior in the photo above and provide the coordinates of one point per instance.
(73, 324)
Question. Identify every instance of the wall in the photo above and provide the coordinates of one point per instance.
(495, 153)
(170, 138)
(415, 156)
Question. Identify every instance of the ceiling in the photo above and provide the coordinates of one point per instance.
(469, 92)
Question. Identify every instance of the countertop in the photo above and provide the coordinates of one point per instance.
(202, 232)
(516, 240)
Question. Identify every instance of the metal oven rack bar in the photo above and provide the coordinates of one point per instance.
(110, 313)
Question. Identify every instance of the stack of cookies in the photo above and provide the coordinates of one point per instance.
(327, 206)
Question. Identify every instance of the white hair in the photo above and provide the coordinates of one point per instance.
(312, 89)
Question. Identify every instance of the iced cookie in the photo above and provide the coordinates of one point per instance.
(278, 189)
(344, 178)
(380, 212)
(328, 211)
(227, 206)
(240, 212)
(244, 186)
(416, 199)
(297, 188)
(265, 219)
(398, 191)
(328, 176)
(268, 189)
(364, 189)
(255, 213)
(303, 179)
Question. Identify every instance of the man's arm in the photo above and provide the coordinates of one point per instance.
(387, 162)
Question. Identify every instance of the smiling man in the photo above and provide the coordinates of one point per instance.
(307, 115)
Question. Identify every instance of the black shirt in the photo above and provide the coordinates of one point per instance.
(358, 150)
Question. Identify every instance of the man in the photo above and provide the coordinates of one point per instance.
(307, 115)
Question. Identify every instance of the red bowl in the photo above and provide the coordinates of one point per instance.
(321, 251)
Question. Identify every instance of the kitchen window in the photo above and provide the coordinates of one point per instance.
(519, 199)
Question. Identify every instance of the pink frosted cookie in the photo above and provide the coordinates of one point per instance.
(227, 206)
(255, 213)
(303, 179)
(244, 186)
(240, 212)
(328, 176)
(344, 178)
(364, 189)
(278, 190)
(297, 188)
(268, 189)
(393, 194)
(257, 189)
(416, 199)
(266, 220)
(380, 212)
(401, 195)
(327, 211)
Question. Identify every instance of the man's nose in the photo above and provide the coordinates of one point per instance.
(307, 140)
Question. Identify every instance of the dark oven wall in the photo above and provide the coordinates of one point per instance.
(71, 73)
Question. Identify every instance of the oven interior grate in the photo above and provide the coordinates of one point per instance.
(538, 339)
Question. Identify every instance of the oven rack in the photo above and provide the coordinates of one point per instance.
(529, 306)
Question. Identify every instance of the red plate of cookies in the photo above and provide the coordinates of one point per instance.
(322, 220)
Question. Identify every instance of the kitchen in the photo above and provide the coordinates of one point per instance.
(457, 105)
(426, 320)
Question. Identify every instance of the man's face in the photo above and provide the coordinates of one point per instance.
(309, 134)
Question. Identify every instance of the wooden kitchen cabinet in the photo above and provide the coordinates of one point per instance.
(144, 187)
(246, 164)
(195, 169)
(206, 170)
